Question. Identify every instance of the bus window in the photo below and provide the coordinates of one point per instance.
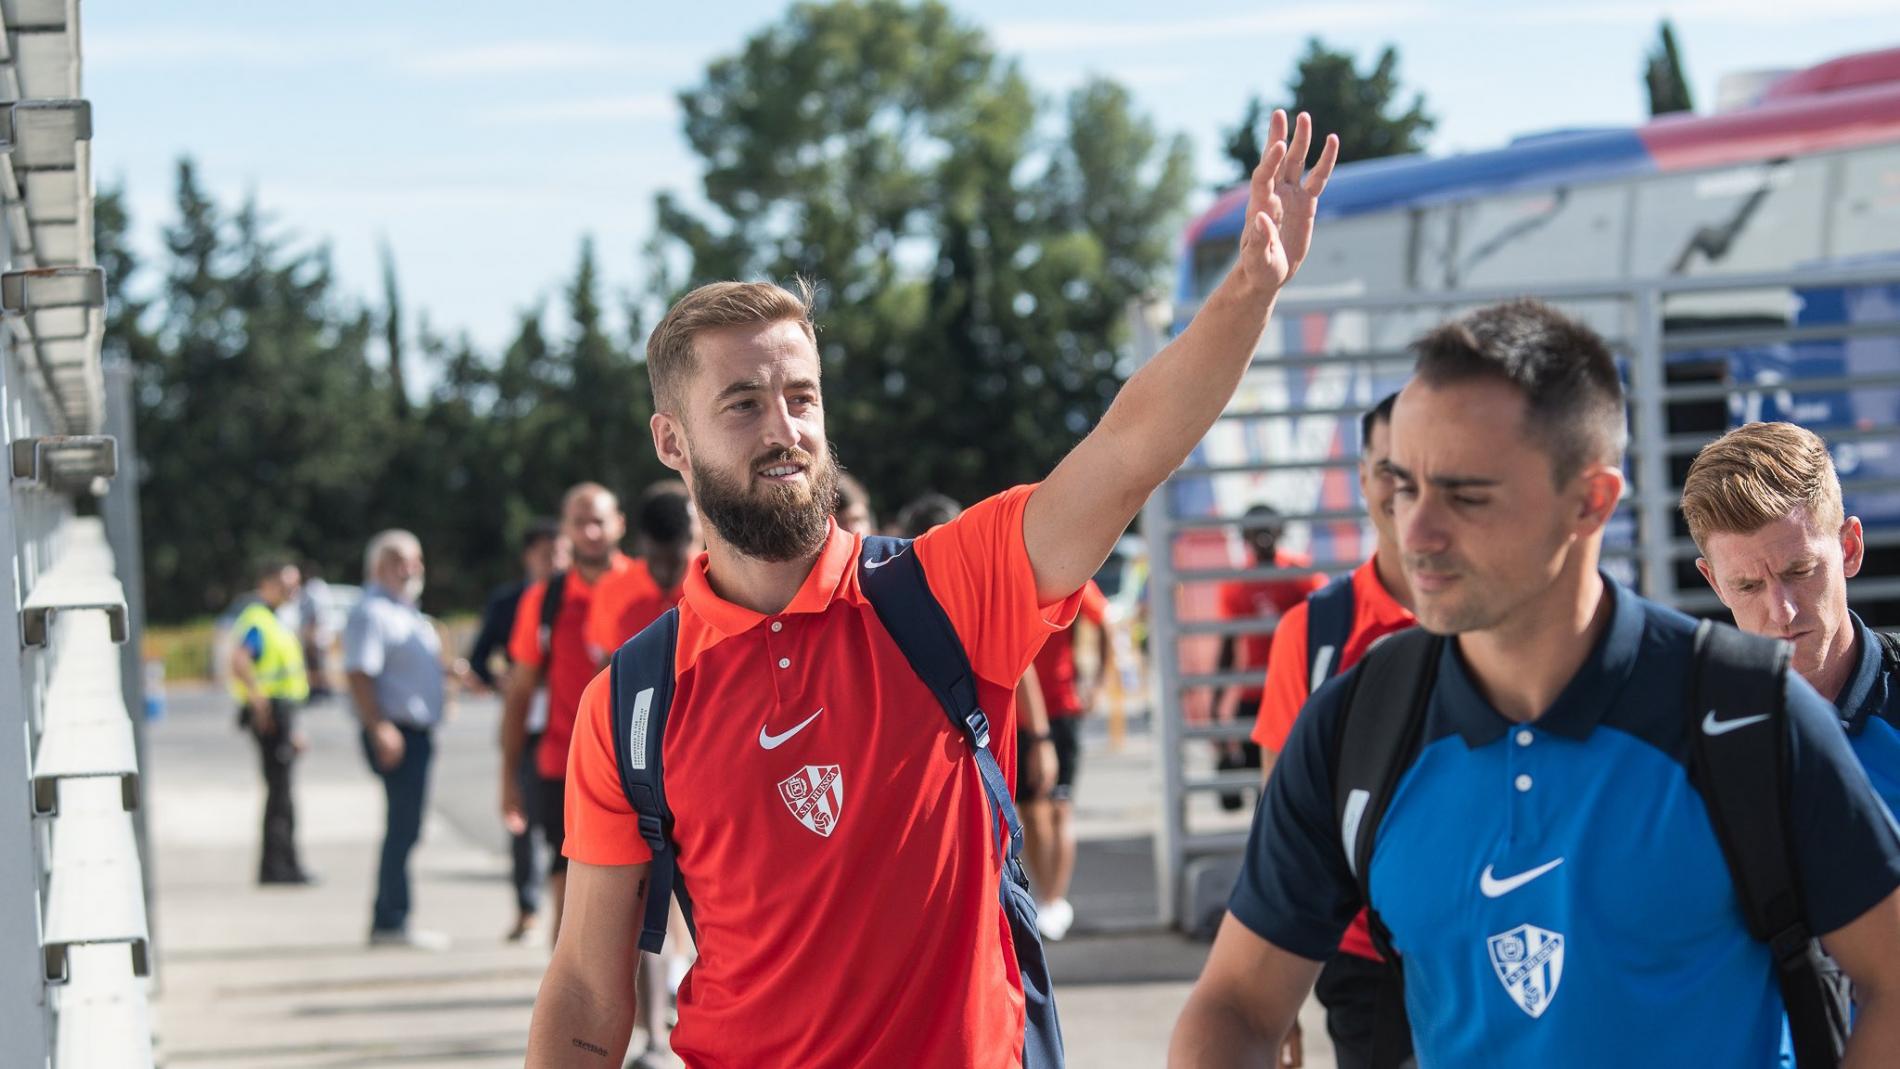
(1867, 215)
(1435, 253)
(1551, 236)
(1363, 254)
(1211, 261)
(1758, 218)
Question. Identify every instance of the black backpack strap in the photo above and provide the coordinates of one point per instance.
(1889, 650)
(551, 599)
(894, 583)
(641, 688)
(1379, 732)
(1328, 627)
(1739, 762)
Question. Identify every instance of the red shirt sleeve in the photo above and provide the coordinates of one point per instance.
(524, 643)
(1285, 691)
(978, 568)
(601, 828)
(1094, 605)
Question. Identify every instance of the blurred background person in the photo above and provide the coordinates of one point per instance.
(270, 683)
(544, 551)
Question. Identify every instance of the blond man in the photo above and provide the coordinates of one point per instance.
(1764, 507)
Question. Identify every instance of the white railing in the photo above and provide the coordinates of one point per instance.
(75, 941)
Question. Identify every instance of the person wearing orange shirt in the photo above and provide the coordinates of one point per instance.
(1266, 601)
(835, 829)
(1318, 639)
(1049, 817)
(554, 653)
(666, 533)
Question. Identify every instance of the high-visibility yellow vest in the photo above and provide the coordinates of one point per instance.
(279, 669)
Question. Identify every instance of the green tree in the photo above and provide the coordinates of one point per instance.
(1663, 75)
(255, 404)
(1363, 109)
(975, 269)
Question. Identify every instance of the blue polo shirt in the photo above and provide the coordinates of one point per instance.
(1555, 888)
(1870, 708)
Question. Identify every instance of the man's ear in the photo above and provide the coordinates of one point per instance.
(669, 442)
(1853, 547)
(1708, 573)
(1602, 490)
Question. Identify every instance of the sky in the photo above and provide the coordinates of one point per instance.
(481, 141)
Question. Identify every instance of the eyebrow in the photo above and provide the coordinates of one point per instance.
(1446, 482)
(745, 386)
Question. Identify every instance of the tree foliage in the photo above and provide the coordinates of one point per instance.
(1363, 109)
(977, 252)
(1663, 74)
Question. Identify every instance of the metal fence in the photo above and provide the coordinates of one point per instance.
(1679, 341)
(74, 935)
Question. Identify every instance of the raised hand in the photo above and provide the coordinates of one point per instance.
(1281, 202)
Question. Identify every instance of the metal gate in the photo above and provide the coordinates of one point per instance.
(1700, 355)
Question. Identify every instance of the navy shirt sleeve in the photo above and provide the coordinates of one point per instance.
(1295, 890)
(498, 622)
(1846, 843)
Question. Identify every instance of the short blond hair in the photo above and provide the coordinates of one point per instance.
(670, 358)
(1756, 474)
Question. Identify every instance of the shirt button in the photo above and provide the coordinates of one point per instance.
(1524, 737)
(786, 662)
(1523, 783)
(778, 625)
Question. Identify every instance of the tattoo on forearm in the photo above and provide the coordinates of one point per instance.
(590, 1048)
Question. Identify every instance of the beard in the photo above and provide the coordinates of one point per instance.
(776, 522)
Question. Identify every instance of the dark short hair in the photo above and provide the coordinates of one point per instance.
(539, 531)
(1377, 414)
(1563, 370)
(271, 565)
(664, 513)
(927, 511)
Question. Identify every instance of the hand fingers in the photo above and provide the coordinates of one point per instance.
(1270, 160)
(1323, 170)
(1269, 231)
(1276, 128)
(1302, 143)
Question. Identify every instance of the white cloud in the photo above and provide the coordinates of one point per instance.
(1752, 12)
(1074, 35)
(168, 48)
(639, 107)
(539, 57)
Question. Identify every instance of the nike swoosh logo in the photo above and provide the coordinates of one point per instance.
(1494, 888)
(874, 565)
(773, 742)
(1712, 726)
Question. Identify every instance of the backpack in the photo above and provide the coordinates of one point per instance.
(1329, 614)
(1741, 775)
(641, 688)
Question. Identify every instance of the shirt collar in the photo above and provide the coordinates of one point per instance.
(1583, 700)
(816, 594)
(1866, 691)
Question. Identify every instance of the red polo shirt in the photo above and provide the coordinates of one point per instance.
(831, 823)
(624, 604)
(1374, 615)
(1264, 599)
(573, 664)
(1055, 662)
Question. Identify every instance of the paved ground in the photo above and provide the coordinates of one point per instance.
(281, 979)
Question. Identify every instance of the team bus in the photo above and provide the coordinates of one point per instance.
(1746, 264)
(1804, 178)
